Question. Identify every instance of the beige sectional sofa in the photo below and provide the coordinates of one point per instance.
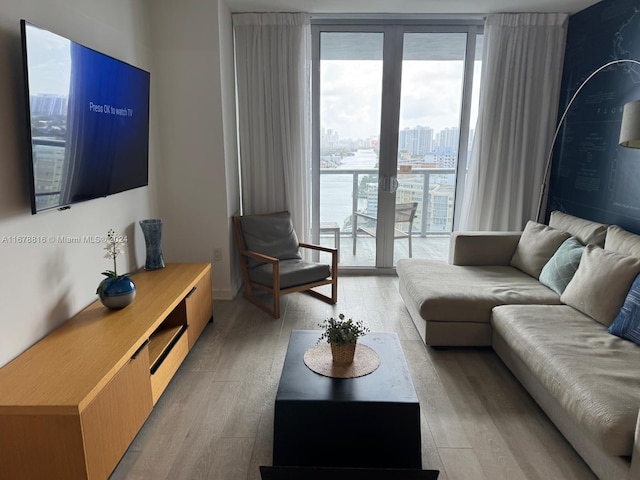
(551, 330)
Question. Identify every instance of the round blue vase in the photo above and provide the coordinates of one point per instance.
(116, 292)
(152, 230)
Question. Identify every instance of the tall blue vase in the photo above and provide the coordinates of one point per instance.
(152, 230)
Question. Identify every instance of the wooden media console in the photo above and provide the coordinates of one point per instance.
(72, 403)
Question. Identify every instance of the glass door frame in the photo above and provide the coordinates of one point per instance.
(393, 31)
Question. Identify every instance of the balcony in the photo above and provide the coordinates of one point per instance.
(345, 191)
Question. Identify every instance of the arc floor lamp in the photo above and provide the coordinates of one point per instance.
(629, 130)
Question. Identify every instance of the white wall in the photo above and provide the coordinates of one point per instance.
(228, 93)
(188, 48)
(42, 285)
(192, 59)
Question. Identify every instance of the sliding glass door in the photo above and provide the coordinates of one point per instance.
(350, 114)
(392, 108)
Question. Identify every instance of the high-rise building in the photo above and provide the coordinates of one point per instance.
(329, 138)
(49, 104)
(416, 141)
(449, 138)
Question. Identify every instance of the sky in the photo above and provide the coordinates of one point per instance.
(351, 95)
(49, 62)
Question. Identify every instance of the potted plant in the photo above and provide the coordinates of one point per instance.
(343, 336)
(115, 291)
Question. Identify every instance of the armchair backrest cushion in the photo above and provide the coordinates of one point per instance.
(270, 234)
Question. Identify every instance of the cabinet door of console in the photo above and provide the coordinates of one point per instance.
(112, 420)
(199, 308)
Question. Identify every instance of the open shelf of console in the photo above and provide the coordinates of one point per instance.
(160, 344)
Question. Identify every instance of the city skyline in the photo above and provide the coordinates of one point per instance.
(424, 139)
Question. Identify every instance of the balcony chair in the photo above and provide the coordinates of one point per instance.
(270, 261)
(344, 473)
(405, 214)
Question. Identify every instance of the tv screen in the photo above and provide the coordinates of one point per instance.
(88, 119)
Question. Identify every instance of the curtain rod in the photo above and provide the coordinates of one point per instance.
(406, 18)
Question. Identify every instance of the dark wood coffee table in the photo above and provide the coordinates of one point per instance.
(371, 421)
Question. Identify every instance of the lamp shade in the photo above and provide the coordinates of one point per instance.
(630, 129)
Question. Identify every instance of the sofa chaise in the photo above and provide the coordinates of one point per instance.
(560, 305)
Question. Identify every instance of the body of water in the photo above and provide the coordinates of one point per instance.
(336, 190)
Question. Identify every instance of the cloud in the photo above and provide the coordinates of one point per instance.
(351, 95)
(431, 94)
(350, 99)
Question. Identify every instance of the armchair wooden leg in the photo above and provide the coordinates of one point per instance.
(276, 290)
(276, 305)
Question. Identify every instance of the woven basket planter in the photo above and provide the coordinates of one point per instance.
(343, 354)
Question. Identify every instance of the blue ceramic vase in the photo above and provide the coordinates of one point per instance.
(152, 230)
(116, 292)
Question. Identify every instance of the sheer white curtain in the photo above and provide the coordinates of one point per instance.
(521, 74)
(273, 64)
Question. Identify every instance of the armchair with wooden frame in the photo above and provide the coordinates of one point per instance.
(271, 263)
(405, 213)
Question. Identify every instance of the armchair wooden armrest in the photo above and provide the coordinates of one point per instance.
(319, 247)
(259, 256)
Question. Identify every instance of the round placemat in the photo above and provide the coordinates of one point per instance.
(319, 360)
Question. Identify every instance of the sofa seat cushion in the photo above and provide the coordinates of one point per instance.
(455, 293)
(593, 375)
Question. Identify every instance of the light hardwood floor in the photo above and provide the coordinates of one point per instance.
(215, 420)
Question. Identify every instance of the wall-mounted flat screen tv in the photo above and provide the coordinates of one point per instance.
(88, 116)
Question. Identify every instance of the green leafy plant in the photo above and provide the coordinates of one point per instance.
(113, 246)
(341, 331)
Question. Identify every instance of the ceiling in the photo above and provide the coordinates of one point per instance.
(409, 6)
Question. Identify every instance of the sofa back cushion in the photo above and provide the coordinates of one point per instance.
(621, 241)
(536, 246)
(561, 268)
(585, 231)
(601, 283)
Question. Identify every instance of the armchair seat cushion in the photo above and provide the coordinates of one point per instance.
(292, 272)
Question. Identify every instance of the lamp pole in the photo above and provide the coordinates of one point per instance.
(547, 168)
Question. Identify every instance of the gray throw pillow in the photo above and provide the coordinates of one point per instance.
(271, 234)
(560, 268)
(601, 283)
(537, 245)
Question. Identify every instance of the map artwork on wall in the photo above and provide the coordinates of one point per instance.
(592, 176)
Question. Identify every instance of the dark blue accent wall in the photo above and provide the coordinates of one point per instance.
(592, 176)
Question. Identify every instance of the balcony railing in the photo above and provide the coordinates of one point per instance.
(415, 184)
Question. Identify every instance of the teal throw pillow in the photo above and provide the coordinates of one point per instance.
(627, 324)
(559, 270)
